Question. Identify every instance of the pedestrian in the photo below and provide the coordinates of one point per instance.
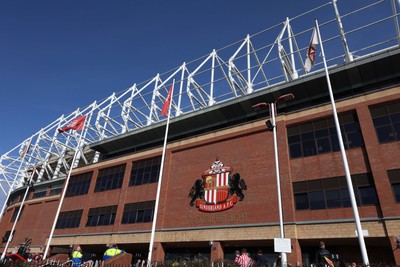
(138, 263)
(323, 256)
(261, 260)
(77, 256)
(243, 259)
(111, 252)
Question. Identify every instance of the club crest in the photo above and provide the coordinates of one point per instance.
(217, 190)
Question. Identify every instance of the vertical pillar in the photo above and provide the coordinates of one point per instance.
(217, 251)
(295, 258)
(158, 252)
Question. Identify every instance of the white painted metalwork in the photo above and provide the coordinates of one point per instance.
(255, 63)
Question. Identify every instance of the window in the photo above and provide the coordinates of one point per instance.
(55, 189)
(14, 199)
(39, 192)
(138, 212)
(79, 184)
(69, 219)
(6, 236)
(320, 136)
(394, 178)
(145, 171)
(101, 216)
(333, 192)
(110, 178)
(386, 120)
(14, 216)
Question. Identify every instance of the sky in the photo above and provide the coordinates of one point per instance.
(56, 56)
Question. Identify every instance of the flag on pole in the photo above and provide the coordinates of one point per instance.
(165, 107)
(75, 124)
(312, 48)
(26, 146)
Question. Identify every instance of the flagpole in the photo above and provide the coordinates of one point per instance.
(18, 214)
(153, 228)
(360, 233)
(63, 193)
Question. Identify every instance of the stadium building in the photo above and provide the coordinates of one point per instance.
(102, 171)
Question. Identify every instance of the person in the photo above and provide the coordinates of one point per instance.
(261, 260)
(111, 252)
(77, 256)
(243, 259)
(323, 256)
(278, 261)
(138, 263)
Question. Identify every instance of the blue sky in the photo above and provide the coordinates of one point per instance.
(56, 56)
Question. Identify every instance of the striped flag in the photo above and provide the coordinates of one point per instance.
(312, 48)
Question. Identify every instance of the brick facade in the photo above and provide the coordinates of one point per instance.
(248, 149)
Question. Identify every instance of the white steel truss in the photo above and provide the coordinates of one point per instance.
(257, 62)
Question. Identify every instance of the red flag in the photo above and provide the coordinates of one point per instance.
(312, 48)
(165, 107)
(75, 124)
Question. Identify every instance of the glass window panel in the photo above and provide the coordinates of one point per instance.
(309, 148)
(394, 108)
(333, 198)
(293, 139)
(299, 187)
(385, 134)
(344, 192)
(322, 133)
(304, 128)
(330, 183)
(301, 201)
(314, 185)
(317, 200)
(295, 151)
(293, 131)
(381, 121)
(378, 111)
(396, 191)
(367, 195)
(394, 176)
(324, 145)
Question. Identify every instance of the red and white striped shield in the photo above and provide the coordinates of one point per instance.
(216, 187)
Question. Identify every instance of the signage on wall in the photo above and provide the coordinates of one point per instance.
(217, 190)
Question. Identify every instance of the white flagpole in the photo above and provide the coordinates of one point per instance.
(153, 228)
(64, 191)
(18, 214)
(344, 157)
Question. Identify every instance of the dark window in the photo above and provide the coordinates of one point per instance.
(40, 192)
(334, 193)
(14, 216)
(69, 219)
(320, 136)
(6, 236)
(79, 184)
(145, 171)
(138, 212)
(55, 190)
(14, 199)
(110, 178)
(386, 120)
(101, 216)
(394, 178)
